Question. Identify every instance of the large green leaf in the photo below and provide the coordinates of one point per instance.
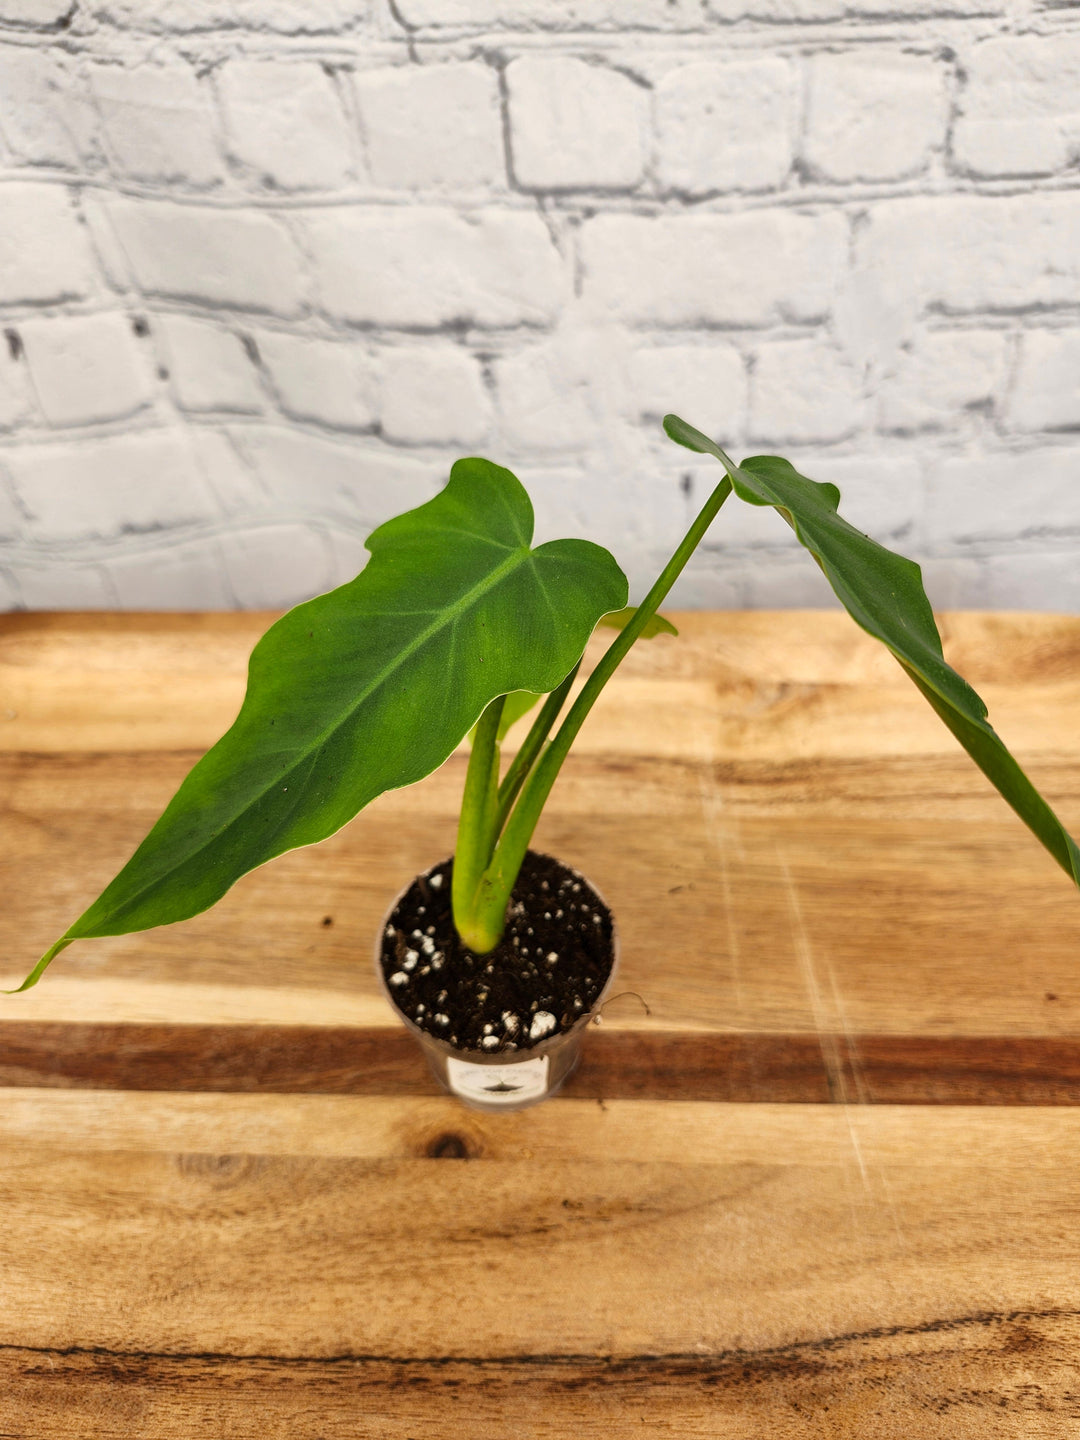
(884, 594)
(369, 688)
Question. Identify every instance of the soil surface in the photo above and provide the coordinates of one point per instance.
(546, 972)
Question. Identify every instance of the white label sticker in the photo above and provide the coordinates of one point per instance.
(499, 1084)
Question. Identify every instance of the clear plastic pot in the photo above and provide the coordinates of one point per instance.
(501, 1081)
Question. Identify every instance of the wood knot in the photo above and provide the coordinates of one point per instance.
(217, 1171)
(448, 1146)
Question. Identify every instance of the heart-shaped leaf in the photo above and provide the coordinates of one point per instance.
(883, 593)
(368, 688)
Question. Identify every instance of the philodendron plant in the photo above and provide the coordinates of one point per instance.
(457, 622)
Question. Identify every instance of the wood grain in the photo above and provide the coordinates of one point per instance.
(309, 1263)
(617, 1064)
(232, 1203)
(982, 1377)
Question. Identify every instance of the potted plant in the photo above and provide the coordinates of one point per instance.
(497, 958)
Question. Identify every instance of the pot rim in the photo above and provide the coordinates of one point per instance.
(480, 1057)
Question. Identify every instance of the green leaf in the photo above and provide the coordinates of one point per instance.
(883, 593)
(655, 625)
(369, 688)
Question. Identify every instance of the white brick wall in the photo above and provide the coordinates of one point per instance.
(435, 127)
(85, 368)
(268, 266)
(285, 125)
(726, 126)
(155, 124)
(574, 126)
(1020, 112)
(873, 114)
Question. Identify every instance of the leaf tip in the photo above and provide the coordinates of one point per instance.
(40, 968)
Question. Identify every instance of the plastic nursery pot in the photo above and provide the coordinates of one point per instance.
(484, 1021)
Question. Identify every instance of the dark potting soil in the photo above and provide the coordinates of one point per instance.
(546, 972)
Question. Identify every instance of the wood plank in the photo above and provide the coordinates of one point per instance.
(750, 1067)
(980, 1377)
(688, 1268)
(792, 844)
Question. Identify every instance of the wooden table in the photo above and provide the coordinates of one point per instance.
(828, 1186)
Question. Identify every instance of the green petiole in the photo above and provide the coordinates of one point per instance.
(481, 918)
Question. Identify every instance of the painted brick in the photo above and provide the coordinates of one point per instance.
(575, 405)
(33, 12)
(706, 380)
(11, 520)
(1005, 496)
(544, 398)
(965, 253)
(44, 251)
(432, 126)
(811, 12)
(873, 115)
(327, 381)
(882, 495)
(786, 582)
(425, 267)
(1040, 579)
(44, 112)
(954, 582)
(15, 396)
(285, 124)
(85, 368)
(65, 587)
(348, 554)
(568, 501)
(276, 566)
(658, 512)
(156, 123)
(100, 487)
(185, 576)
(780, 11)
(208, 366)
(1025, 578)
(942, 375)
(109, 253)
(725, 126)
(553, 14)
(285, 17)
(753, 269)
(314, 478)
(238, 258)
(1046, 393)
(804, 390)
(575, 126)
(920, 9)
(1020, 109)
(705, 584)
(433, 397)
(232, 481)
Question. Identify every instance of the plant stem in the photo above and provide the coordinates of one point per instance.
(476, 825)
(522, 763)
(498, 879)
